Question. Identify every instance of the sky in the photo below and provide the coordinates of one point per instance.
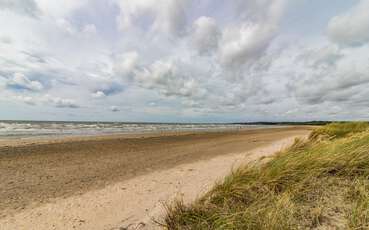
(184, 60)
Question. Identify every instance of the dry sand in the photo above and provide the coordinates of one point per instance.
(118, 182)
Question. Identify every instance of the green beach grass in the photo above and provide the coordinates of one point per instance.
(318, 183)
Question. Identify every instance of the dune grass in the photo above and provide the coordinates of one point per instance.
(337, 130)
(319, 183)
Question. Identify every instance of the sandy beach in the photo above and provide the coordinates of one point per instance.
(114, 182)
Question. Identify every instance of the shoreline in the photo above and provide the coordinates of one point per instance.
(61, 138)
(35, 176)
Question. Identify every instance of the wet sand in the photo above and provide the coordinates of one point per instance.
(36, 174)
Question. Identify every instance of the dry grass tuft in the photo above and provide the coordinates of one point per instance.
(338, 130)
(318, 183)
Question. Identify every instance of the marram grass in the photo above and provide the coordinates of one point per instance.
(319, 183)
(337, 130)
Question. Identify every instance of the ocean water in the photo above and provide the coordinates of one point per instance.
(16, 129)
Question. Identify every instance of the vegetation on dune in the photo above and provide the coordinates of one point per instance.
(317, 183)
(337, 130)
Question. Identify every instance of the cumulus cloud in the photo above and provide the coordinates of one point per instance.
(351, 28)
(169, 79)
(6, 40)
(205, 35)
(247, 41)
(126, 63)
(66, 26)
(260, 10)
(322, 56)
(244, 44)
(114, 108)
(47, 100)
(108, 88)
(98, 94)
(240, 59)
(20, 82)
(26, 99)
(59, 9)
(59, 102)
(159, 15)
(163, 67)
(89, 29)
(26, 7)
(326, 75)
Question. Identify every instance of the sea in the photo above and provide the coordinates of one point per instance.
(24, 129)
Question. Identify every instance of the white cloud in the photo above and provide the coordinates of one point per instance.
(59, 102)
(351, 28)
(66, 26)
(114, 108)
(247, 41)
(235, 59)
(205, 35)
(244, 44)
(260, 10)
(26, 99)
(6, 40)
(27, 7)
(58, 9)
(126, 63)
(169, 79)
(328, 74)
(47, 100)
(98, 94)
(166, 15)
(20, 82)
(89, 29)
(322, 56)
